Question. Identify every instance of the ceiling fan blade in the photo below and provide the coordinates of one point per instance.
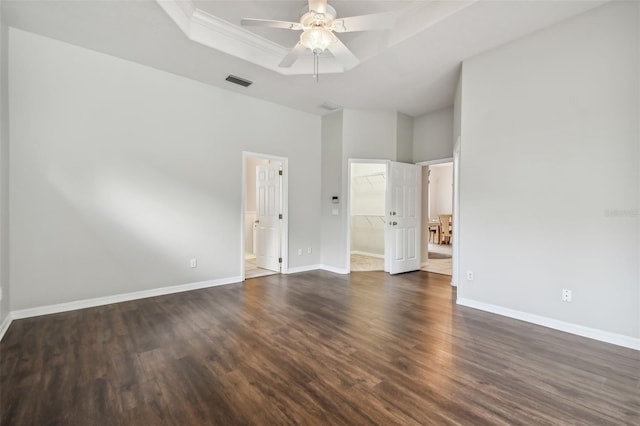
(376, 21)
(248, 22)
(292, 56)
(343, 54)
(319, 6)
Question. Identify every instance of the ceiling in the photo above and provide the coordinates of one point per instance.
(412, 68)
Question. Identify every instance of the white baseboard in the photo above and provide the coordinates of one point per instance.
(591, 333)
(303, 269)
(364, 253)
(342, 271)
(328, 268)
(107, 300)
(5, 325)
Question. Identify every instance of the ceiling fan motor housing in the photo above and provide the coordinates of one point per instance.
(311, 18)
(318, 34)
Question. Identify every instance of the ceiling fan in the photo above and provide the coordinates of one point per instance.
(318, 23)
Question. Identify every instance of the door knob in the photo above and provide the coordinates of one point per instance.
(394, 223)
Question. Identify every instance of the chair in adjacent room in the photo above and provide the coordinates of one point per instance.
(434, 232)
(445, 228)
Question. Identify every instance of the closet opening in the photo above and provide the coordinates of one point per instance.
(367, 216)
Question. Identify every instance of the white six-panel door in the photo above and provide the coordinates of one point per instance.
(268, 211)
(403, 217)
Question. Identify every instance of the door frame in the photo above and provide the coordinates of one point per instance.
(284, 203)
(455, 208)
(347, 207)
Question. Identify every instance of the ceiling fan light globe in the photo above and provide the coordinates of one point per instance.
(317, 39)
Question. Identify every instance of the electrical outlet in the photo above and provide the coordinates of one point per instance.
(567, 295)
(308, 250)
(193, 263)
(299, 252)
(469, 275)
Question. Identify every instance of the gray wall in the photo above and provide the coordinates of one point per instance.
(4, 171)
(369, 134)
(350, 134)
(539, 116)
(433, 136)
(332, 251)
(457, 107)
(130, 172)
(404, 138)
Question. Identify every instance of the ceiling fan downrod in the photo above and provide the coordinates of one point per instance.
(316, 63)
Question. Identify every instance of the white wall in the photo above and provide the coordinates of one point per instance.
(250, 181)
(121, 173)
(433, 136)
(369, 135)
(457, 107)
(333, 243)
(250, 199)
(440, 190)
(457, 137)
(404, 138)
(349, 134)
(539, 116)
(368, 183)
(4, 172)
(367, 208)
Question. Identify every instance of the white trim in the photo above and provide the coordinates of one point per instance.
(216, 33)
(125, 297)
(342, 271)
(218, 29)
(591, 333)
(181, 13)
(434, 162)
(364, 253)
(307, 268)
(455, 207)
(5, 324)
(455, 228)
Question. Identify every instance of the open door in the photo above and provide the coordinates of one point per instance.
(403, 220)
(268, 183)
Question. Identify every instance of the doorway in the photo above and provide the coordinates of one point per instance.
(437, 217)
(383, 227)
(263, 222)
(367, 216)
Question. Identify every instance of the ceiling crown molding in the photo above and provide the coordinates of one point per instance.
(216, 33)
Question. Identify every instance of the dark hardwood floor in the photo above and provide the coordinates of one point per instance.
(310, 348)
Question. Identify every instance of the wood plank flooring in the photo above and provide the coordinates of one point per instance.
(310, 348)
